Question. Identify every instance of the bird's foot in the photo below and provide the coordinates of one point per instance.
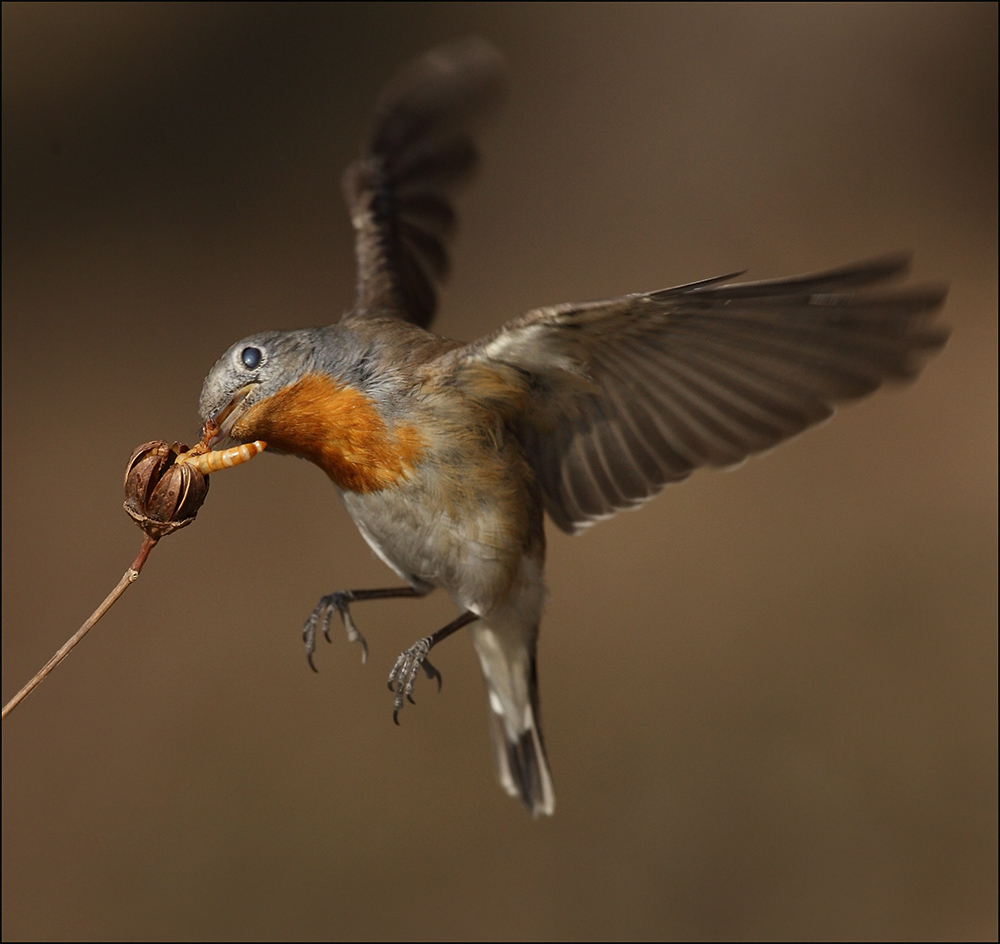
(404, 673)
(320, 619)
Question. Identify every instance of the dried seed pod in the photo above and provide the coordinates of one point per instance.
(147, 465)
(161, 494)
(179, 493)
(166, 485)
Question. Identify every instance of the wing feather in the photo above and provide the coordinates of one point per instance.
(398, 193)
(636, 392)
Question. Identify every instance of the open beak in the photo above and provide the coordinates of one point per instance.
(226, 418)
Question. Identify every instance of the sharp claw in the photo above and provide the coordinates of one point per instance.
(404, 674)
(353, 634)
(431, 672)
(397, 704)
(321, 619)
(309, 638)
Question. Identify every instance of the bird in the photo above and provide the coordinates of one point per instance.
(448, 455)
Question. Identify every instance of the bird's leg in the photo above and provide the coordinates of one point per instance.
(339, 602)
(404, 672)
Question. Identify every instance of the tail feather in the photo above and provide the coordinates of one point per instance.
(505, 643)
(522, 766)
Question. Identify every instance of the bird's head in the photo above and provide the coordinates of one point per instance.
(238, 389)
(311, 393)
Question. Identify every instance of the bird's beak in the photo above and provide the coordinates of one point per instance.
(226, 418)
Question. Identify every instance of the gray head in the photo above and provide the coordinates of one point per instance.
(257, 367)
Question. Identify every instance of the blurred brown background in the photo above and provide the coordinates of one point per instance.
(770, 696)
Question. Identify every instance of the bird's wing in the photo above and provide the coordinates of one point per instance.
(419, 149)
(632, 393)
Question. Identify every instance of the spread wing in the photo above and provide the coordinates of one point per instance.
(419, 149)
(633, 393)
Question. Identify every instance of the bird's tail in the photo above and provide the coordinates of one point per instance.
(508, 663)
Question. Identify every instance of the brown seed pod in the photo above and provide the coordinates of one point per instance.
(161, 494)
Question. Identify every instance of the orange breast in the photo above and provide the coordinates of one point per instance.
(338, 428)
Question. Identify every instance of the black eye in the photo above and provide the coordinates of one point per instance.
(251, 357)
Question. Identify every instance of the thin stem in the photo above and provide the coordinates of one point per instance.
(127, 580)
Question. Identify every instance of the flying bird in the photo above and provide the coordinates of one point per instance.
(448, 454)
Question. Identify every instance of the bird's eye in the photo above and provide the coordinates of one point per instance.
(251, 357)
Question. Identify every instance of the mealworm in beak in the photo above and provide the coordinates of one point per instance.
(208, 462)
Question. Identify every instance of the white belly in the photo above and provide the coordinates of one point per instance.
(468, 552)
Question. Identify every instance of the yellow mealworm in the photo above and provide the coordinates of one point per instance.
(209, 462)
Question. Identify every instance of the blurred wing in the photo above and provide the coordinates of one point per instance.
(636, 392)
(420, 148)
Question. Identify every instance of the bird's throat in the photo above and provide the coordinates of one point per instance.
(338, 428)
